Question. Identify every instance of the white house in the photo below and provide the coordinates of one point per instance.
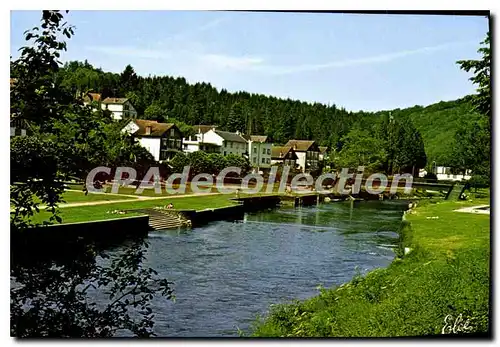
(307, 154)
(196, 142)
(162, 140)
(226, 142)
(444, 173)
(259, 151)
(120, 108)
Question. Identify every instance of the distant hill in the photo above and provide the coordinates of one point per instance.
(438, 123)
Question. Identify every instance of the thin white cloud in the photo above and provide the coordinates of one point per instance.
(382, 58)
(227, 61)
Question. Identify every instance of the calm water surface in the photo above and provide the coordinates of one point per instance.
(227, 273)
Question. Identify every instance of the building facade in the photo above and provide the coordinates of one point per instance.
(259, 151)
(226, 142)
(162, 140)
(120, 108)
(197, 141)
(283, 155)
(307, 152)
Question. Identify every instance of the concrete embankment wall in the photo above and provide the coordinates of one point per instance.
(103, 231)
(202, 217)
(236, 212)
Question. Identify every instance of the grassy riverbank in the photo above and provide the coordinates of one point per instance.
(100, 212)
(445, 273)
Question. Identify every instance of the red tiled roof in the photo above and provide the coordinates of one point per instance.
(300, 145)
(156, 129)
(279, 152)
(201, 128)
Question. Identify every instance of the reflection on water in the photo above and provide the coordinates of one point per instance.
(226, 273)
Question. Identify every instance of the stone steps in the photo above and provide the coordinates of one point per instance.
(164, 222)
(161, 220)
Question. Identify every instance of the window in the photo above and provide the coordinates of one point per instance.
(263, 151)
(255, 149)
(172, 132)
(231, 145)
(263, 160)
(268, 161)
(225, 153)
(178, 143)
(269, 151)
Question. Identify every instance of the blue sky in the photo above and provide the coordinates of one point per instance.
(360, 62)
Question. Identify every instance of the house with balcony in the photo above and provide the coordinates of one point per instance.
(307, 152)
(259, 151)
(196, 142)
(283, 155)
(162, 140)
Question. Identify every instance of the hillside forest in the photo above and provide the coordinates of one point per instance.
(169, 99)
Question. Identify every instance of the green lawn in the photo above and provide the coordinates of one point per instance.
(188, 190)
(99, 212)
(445, 273)
(74, 197)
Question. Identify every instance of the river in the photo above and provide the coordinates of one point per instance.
(227, 273)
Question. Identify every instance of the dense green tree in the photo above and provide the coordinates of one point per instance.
(155, 112)
(178, 162)
(128, 80)
(482, 78)
(238, 161)
(409, 152)
(50, 299)
(218, 161)
(199, 162)
(360, 148)
(472, 148)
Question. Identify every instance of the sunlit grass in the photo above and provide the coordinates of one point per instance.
(445, 273)
(100, 212)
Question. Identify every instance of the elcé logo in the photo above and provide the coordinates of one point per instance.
(152, 179)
